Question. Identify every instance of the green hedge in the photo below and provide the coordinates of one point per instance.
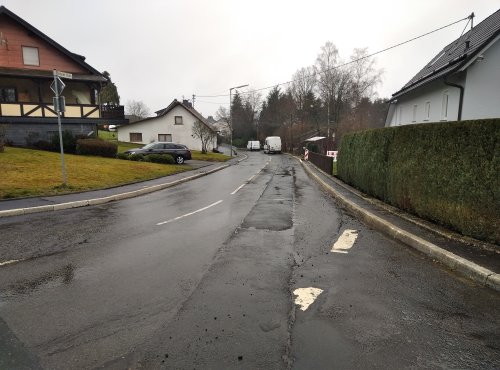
(446, 172)
(98, 147)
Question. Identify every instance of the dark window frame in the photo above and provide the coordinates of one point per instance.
(165, 135)
(135, 133)
(2, 94)
(181, 120)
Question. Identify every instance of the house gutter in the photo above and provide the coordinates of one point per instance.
(461, 100)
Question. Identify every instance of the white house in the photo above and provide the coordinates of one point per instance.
(172, 124)
(461, 82)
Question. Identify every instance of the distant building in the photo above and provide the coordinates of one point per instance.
(221, 126)
(461, 82)
(171, 124)
(27, 60)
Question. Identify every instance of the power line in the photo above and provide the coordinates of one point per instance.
(345, 64)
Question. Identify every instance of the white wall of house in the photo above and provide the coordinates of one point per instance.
(482, 92)
(165, 125)
(432, 103)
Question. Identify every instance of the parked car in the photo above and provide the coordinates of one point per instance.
(180, 152)
(272, 144)
(253, 145)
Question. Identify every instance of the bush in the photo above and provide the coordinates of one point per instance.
(96, 147)
(240, 143)
(44, 145)
(122, 156)
(446, 172)
(160, 158)
(137, 157)
(69, 142)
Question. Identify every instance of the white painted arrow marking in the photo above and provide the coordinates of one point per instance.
(306, 296)
(345, 241)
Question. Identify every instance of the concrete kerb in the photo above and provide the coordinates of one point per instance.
(465, 267)
(97, 201)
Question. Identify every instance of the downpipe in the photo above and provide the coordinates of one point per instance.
(461, 99)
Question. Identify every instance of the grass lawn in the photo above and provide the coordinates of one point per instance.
(210, 157)
(26, 172)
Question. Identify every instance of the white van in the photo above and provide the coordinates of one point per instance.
(272, 144)
(253, 145)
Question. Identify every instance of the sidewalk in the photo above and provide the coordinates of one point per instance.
(474, 259)
(13, 207)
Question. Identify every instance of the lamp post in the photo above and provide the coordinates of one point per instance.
(230, 114)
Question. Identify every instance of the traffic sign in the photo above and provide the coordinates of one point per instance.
(64, 74)
(57, 86)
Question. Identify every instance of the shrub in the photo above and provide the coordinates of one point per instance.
(44, 145)
(69, 142)
(122, 156)
(96, 147)
(240, 143)
(137, 157)
(160, 158)
(446, 172)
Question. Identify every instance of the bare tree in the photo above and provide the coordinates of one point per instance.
(204, 133)
(304, 81)
(137, 108)
(364, 76)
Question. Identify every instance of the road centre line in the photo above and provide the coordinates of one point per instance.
(189, 214)
(8, 262)
(246, 182)
(345, 241)
(306, 296)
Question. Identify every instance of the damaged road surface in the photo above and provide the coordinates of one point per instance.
(253, 267)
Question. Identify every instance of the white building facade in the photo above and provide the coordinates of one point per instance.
(461, 83)
(173, 124)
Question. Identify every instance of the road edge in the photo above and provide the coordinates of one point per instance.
(111, 198)
(456, 263)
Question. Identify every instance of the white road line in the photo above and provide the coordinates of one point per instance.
(238, 188)
(8, 262)
(246, 182)
(345, 241)
(306, 296)
(189, 214)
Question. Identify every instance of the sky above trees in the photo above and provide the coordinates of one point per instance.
(156, 51)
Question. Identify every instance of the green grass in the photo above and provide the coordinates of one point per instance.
(210, 157)
(27, 172)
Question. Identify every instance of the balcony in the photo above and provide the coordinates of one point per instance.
(74, 111)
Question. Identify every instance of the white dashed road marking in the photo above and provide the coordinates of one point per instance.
(189, 214)
(345, 241)
(306, 296)
(246, 182)
(8, 262)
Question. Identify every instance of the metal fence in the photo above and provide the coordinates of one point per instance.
(322, 162)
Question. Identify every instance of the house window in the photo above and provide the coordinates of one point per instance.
(444, 106)
(8, 95)
(165, 137)
(414, 114)
(136, 137)
(427, 110)
(178, 120)
(30, 56)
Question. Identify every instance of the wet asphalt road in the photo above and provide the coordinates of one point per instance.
(203, 276)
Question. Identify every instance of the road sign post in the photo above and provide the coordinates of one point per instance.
(57, 87)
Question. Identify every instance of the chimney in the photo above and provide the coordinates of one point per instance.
(187, 103)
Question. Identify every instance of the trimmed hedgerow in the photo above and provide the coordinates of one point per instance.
(122, 156)
(446, 172)
(160, 158)
(97, 147)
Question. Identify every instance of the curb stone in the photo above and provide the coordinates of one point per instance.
(111, 198)
(456, 263)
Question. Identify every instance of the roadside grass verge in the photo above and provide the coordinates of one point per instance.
(27, 172)
(210, 157)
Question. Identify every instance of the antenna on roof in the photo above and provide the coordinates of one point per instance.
(471, 17)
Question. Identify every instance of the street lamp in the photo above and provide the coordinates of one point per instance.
(230, 115)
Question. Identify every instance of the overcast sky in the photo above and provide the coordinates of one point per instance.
(158, 50)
